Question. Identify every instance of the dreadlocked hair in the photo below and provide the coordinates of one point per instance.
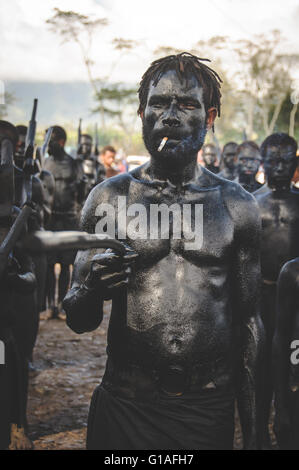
(185, 64)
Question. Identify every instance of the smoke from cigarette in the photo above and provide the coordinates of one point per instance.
(163, 142)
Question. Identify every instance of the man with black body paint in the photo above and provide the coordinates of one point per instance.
(24, 304)
(18, 279)
(89, 162)
(68, 197)
(249, 160)
(279, 209)
(185, 335)
(42, 196)
(285, 366)
(230, 161)
(210, 157)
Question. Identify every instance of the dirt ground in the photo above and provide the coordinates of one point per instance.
(68, 367)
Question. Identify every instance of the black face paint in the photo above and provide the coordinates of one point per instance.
(174, 110)
(280, 163)
(86, 146)
(248, 165)
(230, 156)
(54, 147)
(209, 155)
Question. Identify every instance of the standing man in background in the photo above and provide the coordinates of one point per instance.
(108, 160)
(68, 198)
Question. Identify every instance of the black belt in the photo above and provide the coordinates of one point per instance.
(172, 380)
(175, 380)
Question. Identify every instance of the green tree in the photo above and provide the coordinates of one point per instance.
(6, 99)
(264, 79)
(119, 104)
(80, 29)
(228, 126)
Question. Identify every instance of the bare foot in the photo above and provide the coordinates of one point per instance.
(18, 439)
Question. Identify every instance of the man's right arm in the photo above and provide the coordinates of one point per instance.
(97, 276)
(83, 304)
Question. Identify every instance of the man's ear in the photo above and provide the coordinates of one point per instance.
(141, 115)
(211, 116)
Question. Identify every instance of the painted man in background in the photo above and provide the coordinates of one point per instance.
(229, 161)
(24, 304)
(89, 162)
(249, 161)
(279, 209)
(185, 335)
(210, 157)
(43, 186)
(285, 358)
(69, 195)
(17, 278)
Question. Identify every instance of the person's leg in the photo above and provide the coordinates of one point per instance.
(19, 388)
(25, 328)
(268, 317)
(40, 269)
(51, 288)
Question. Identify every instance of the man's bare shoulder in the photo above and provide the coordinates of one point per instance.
(241, 205)
(106, 192)
(231, 190)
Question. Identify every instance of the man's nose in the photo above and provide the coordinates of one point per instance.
(171, 118)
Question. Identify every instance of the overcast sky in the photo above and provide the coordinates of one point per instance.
(29, 51)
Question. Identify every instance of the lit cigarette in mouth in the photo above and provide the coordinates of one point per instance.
(163, 142)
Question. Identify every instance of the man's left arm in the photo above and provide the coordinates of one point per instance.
(246, 292)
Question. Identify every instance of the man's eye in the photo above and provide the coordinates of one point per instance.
(187, 105)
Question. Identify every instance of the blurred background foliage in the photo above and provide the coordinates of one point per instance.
(256, 92)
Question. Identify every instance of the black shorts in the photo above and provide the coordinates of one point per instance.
(198, 420)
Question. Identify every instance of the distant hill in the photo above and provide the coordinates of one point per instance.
(58, 102)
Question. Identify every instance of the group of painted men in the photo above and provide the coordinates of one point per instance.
(279, 208)
(59, 188)
(54, 188)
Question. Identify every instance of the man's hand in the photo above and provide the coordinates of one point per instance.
(110, 272)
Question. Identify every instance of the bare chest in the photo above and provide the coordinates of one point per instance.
(192, 224)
